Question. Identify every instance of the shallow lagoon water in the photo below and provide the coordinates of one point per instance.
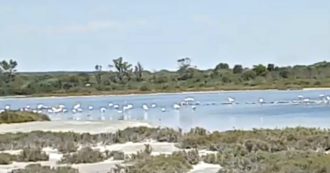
(211, 113)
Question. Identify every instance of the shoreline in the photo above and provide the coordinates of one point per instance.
(154, 93)
(55, 96)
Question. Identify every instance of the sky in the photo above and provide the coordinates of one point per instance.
(75, 35)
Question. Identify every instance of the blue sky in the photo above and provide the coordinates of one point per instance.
(50, 35)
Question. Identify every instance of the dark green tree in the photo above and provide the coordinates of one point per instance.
(260, 70)
(222, 66)
(124, 69)
(249, 75)
(238, 69)
(8, 70)
(184, 64)
(270, 67)
(98, 74)
(138, 71)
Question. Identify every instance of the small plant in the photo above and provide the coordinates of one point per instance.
(68, 147)
(85, 155)
(21, 117)
(32, 155)
(6, 159)
(117, 155)
(37, 168)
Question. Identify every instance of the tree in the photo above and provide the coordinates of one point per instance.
(270, 67)
(184, 64)
(8, 70)
(284, 73)
(124, 69)
(186, 71)
(98, 74)
(138, 71)
(248, 75)
(238, 69)
(260, 70)
(222, 66)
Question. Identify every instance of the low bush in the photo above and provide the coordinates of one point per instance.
(191, 156)
(21, 117)
(37, 168)
(68, 147)
(84, 155)
(6, 159)
(117, 155)
(32, 155)
(160, 164)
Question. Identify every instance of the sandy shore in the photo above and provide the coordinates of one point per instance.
(315, 89)
(93, 127)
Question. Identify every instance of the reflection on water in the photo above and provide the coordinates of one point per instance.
(213, 111)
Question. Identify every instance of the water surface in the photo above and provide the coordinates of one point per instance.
(280, 109)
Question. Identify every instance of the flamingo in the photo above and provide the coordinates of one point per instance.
(189, 99)
(41, 106)
(128, 107)
(328, 99)
(261, 101)
(77, 106)
(176, 106)
(116, 106)
(103, 109)
(57, 109)
(145, 107)
(306, 100)
(231, 100)
(7, 107)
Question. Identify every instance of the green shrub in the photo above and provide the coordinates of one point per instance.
(191, 156)
(32, 155)
(85, 155)
(160, 164)
(6, 159)
(117, 155)
(21, 117)
(37, 168)
(145, 87)
(67, 147)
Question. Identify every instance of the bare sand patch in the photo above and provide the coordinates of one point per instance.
(93, 127)
(132, 148)
(205, 167)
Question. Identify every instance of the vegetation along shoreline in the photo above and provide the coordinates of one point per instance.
(122, 78)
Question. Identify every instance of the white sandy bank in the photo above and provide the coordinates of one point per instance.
(93, 127)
